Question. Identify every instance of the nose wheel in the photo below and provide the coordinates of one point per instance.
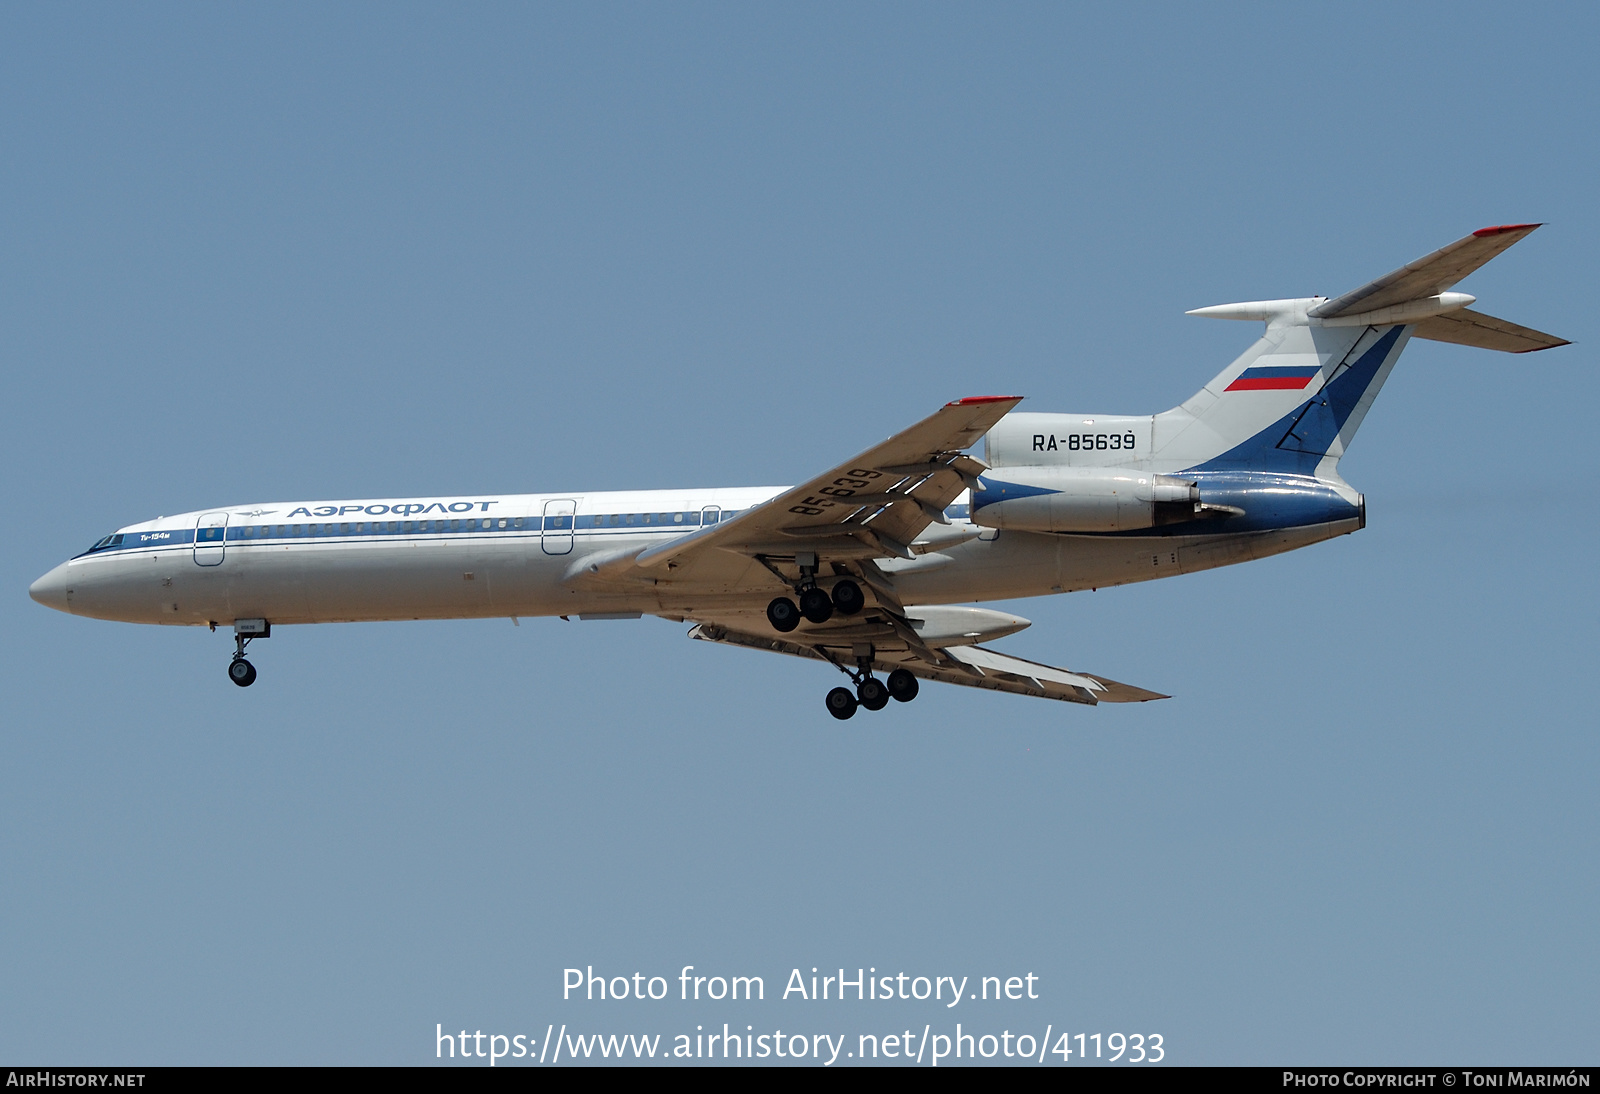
(245, 631)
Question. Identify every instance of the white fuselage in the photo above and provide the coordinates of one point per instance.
(525, 555)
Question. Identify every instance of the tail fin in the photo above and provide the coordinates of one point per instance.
(1295, 399)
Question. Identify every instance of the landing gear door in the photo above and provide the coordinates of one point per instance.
(558, 520)
(211, 539)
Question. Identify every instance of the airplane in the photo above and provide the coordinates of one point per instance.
(871, 566)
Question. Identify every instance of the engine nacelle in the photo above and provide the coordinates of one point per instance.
(1081, 499)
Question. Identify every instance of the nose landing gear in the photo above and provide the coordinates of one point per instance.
(245, 631)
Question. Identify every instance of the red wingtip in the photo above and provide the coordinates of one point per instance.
(973, 400)
(1500, 229)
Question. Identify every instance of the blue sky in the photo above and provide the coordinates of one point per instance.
(332, 251)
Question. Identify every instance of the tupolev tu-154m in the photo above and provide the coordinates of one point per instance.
(867, 565)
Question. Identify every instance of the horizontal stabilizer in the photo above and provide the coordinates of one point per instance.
(1469, 328)
(1427, 276)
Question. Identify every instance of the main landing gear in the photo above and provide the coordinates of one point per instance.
(816, 603)
(240, 671)
(872, 693)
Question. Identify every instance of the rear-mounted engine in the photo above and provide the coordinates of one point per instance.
(1082, 499)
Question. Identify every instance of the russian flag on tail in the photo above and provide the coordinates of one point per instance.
(1274, 378)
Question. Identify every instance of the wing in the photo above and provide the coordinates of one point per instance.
(876, 505)
(893, 645)
(873, 506)
(1428, 275)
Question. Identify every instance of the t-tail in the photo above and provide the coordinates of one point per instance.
(1284, 411)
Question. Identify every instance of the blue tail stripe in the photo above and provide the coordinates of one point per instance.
(1297, 442)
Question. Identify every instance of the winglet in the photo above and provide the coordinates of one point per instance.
(1500, 229)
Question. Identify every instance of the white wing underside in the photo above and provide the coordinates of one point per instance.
(970, 666)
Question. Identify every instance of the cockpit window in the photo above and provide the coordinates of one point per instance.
(107, 543)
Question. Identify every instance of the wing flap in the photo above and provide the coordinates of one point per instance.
(1428, 275)
(1049, 679)
(1469, 328)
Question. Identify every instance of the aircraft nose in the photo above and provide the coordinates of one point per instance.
(52, 589)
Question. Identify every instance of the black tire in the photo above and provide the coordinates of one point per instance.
(242, 672)
(872, 693)
(841, 704)
(848, 598)
(902, 686)
(783, 615)
(816, 605)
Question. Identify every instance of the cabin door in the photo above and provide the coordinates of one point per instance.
(556, 536)
(211, 539)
